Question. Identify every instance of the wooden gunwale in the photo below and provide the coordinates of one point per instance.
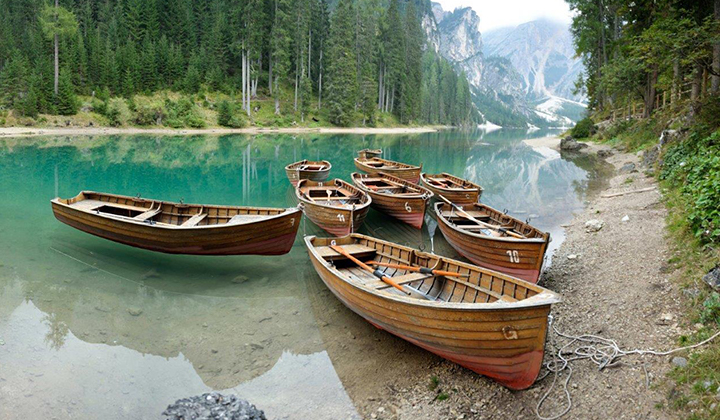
(408, 207)
(339, 220)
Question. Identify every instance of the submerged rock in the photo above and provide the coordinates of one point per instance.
(213, 406)
(712, 278)
(571, 145)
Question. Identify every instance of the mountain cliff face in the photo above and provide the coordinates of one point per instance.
(542, 52)
(519, 76)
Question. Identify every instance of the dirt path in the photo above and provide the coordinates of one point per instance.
(613, 283)
(95, 131)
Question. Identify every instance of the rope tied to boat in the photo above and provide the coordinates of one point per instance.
(603, 352)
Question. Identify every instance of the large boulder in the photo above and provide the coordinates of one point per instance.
(712, 278)
(569, 144)
(213, 406)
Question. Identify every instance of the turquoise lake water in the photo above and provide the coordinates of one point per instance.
(94, 329)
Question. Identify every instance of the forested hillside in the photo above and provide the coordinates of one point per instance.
(269, 62)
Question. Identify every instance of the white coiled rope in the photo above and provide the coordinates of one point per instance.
(604, 352)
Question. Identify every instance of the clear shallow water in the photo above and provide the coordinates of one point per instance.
(94, 329)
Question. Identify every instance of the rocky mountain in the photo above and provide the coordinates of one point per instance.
(542, 52)
(520, 76)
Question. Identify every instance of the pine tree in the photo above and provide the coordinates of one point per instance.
(342, 70)
(280, 52)
(412, 76)
(66, 103)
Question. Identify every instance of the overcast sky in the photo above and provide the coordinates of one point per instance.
(498, 13)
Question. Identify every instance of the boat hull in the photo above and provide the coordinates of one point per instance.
(274, 236)
(336, 221)
(519, 258)
(474, 339)
(461, 198)
(294, 175)
(408, 174)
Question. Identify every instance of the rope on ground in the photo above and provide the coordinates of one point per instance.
(604, 352)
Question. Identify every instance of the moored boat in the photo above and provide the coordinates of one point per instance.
(369, 153)
(401, 170)
(336, 206)
(308, 169)
(491, 323)
(395, 197)
(499, 242)
(459, 191)
(179, 228)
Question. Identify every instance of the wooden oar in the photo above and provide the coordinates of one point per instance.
(487, 225)
(423, 270)
(376, 273)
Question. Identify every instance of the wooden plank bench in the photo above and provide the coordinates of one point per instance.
(193, 221)
(361, 252)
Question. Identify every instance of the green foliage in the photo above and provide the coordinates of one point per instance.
(342, 70)
(434, 382)
(57, 21)
(228, 116)
(693, 166)
(117, 112)
(710, 312)
(66, 103)
(139, 47)
(183, 113)
(583, 129)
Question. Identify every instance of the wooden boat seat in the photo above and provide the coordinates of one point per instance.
(95, 204)
(193, 221)
(358, 251)
(404, 279)
(148, 214)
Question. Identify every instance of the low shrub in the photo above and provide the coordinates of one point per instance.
(117, 112)
(583, 129)
(149, 114)
(228, 116)
(183, 113)
(693, 166)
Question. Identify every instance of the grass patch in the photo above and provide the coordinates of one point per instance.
(434, 382)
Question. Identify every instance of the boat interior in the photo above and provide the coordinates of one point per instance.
(442, 181)
(491, 216)
(388, 186)
(309, 166)
(166, 213)
(335, 195)
(471, 286)
(379, 163)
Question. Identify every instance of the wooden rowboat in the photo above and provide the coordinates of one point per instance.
(491, 323)
(491, 249)
(395, 197)
(369, 153)
(336, 206)
(401, 170)
(308, 169)
(459, 191)
(179, 228)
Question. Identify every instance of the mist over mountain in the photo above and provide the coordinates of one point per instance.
(519, 76)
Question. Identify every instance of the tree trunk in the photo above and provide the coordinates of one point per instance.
(650, 91)
(380, 89)
(309, 50)
(320, 75)
(277, 98)
(242, 77)
(247, 78)
(715, 79)
(270, 75)
(675, 93)
(57, 58)
(695, 91)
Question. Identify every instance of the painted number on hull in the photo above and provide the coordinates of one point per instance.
(407, 207)
(514, 256)
(341, 217)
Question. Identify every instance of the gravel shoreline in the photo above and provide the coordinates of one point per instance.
(98, 131)
(614, 283)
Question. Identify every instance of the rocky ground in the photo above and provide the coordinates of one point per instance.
(615, 283)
